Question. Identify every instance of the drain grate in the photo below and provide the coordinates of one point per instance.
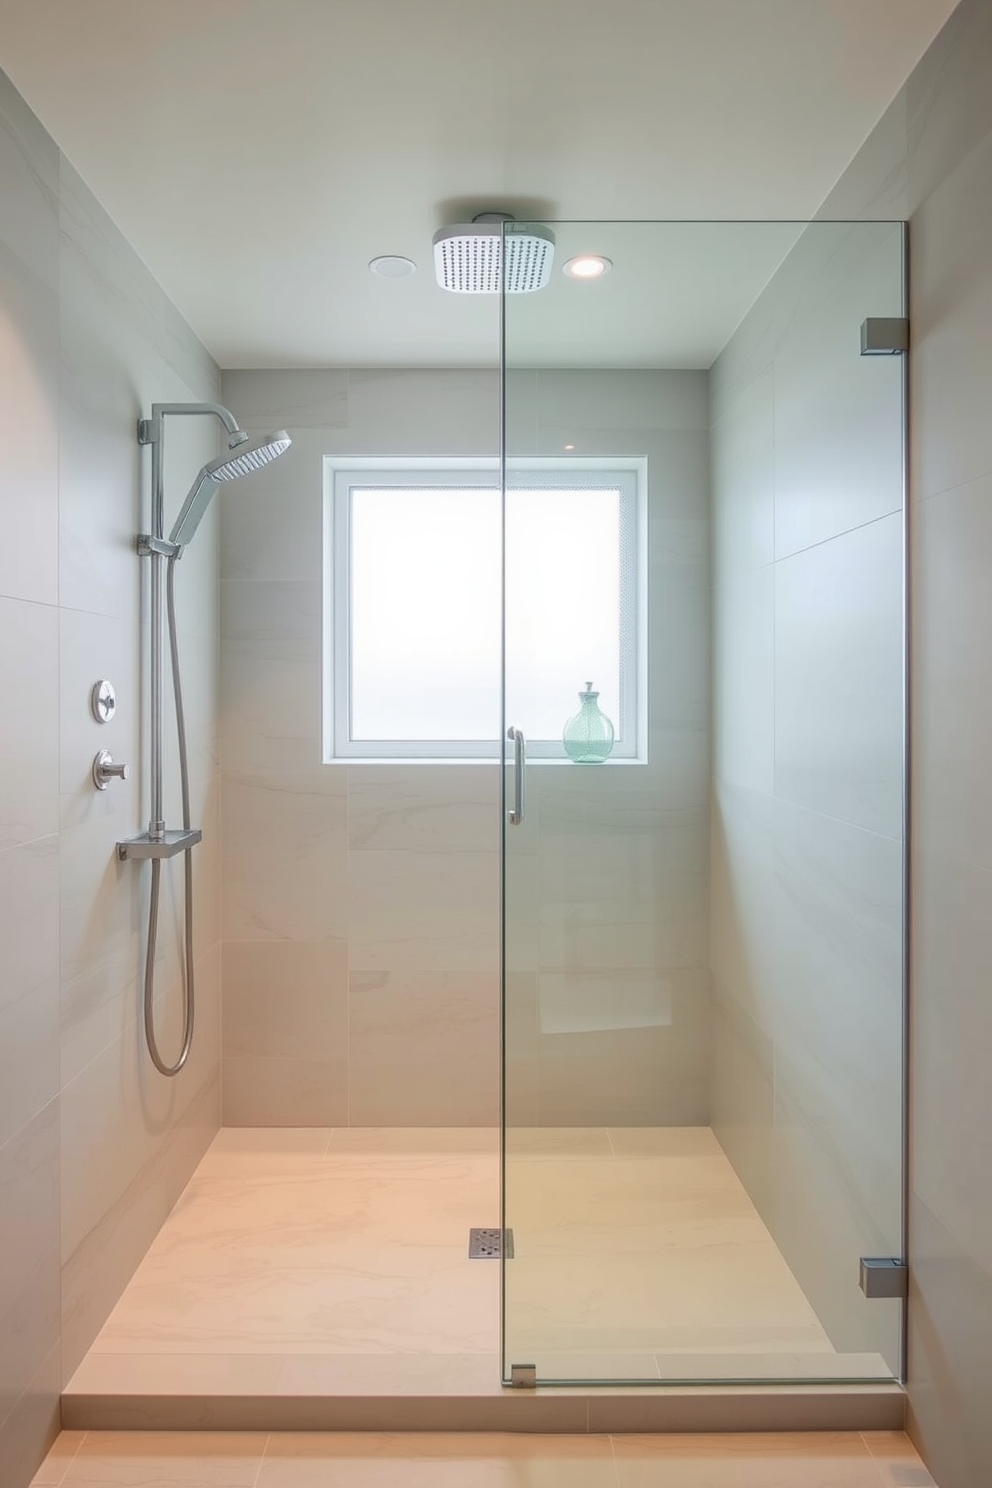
(487, 1245)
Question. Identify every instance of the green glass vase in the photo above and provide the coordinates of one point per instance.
(588, 736)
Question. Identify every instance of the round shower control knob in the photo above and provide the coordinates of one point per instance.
(103, 701)
(104, 770)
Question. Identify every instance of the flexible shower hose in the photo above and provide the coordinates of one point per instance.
(189, 1001)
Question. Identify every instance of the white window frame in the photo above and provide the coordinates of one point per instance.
(342, 475)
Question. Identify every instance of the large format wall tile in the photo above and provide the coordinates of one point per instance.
(29, 169)
(952, 327)
(89, 340)
(29, 1057)
(743, 454)
(29, 1244)
(742, 1074)
(838, 677)
(29, 459)
(286, 1036)
(744, 680)
(952, 1034)
(838, 442)
(418, 844)
(33, 1424)
(29, 671)
(117, 1112)
(99, 1267)
(433, 808)
(838, 1016)
(807, 852)
(285, 872)
(424, 1048)
(952, 719)
(950, 1351)
(423, 911)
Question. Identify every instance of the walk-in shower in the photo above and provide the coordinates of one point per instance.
(645, 1015)
(244, 456)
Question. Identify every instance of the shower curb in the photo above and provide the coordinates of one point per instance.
(572, 1411)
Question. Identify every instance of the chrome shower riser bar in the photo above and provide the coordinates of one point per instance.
(159, 843)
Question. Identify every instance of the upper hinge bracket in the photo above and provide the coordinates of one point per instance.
(885, 337)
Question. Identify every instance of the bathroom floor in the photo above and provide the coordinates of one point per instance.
(135, 1459)
(335, 1262)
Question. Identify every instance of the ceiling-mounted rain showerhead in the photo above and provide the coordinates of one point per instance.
(242, 460)
(468, 258)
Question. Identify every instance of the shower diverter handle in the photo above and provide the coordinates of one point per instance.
(519, 764)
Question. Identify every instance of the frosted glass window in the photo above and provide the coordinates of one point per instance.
(417, 601)
(425, 613)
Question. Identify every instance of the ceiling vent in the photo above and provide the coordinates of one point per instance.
(468, 257)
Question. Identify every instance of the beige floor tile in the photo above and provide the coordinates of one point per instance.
(393, 1374)
(180, 1459)
(749, 1364)
(426, 1301)
(55, 1466)
(428, 1461)
(593, 1366)
(126, 1373)
(291, 1251)
(786, 1460)
(897, 1460)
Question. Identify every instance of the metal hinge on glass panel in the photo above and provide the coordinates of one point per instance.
(885, 337)
(884, 1276)
(523, 1376)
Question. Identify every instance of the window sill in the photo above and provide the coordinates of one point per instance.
(490, 760)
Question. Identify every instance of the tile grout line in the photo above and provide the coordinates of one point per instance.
(66, 1470)
(613, 1459)
(261, 1461)
(884, 1477)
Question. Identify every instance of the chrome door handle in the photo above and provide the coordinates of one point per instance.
(519, 764)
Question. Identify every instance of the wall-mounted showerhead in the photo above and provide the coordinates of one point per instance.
(243, 459)
(468, 258)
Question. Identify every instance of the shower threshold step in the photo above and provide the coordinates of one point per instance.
(455, 1392)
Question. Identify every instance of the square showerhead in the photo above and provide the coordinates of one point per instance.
(468, 258)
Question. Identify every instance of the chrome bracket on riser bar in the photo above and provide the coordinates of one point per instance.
(148, 545)
(169, 845)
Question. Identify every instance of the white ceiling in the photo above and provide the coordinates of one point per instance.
(257, 153)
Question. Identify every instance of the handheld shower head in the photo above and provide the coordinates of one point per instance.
(242, 460)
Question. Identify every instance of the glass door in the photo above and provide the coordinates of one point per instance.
(703, 826)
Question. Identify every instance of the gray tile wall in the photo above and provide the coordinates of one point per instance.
(362, 902)
(807, 817)
(930, 160)
(94, 1148)
(948, 165)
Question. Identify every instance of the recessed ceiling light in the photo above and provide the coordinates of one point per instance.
(391, 266)
(588, 266)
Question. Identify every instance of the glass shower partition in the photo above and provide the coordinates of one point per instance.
(703, 973)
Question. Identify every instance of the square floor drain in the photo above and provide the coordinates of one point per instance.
(487, 1245)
